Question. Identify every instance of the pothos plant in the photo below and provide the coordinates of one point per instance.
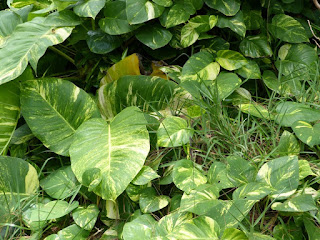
(162, 119)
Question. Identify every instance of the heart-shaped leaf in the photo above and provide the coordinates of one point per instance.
(174, 132)
(231, 60)
(186, 175)
(150, 202)
(54, 109)
(141, 228)
(89, 8)
(235, 23)
(228, 8)
(154, 36)
(307, 133)
(86, 217)
(140, 11)
(255, 47)
(145, 175)
(118, 146)
(302, 203)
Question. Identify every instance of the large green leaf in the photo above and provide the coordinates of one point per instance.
(72, 232)
(297, 62)
(290, 112)
(225, 84)
(9, 112)
(307, 133)
(302, 203)
(200, 200)
(250, 71)
(282, 175)
(89, 8)
(174, 132)
(154, 36)
(141, 228)
(60, 184)
(231, 60)
(227, 7)
(288, 29)
(252, 191)
(140, 11)
(288, 145)
(150, 202)
(145, 175)
(217, 175)
(86, 217)
(255, 47)
(54, 109)
(235, 23)
(312, 230)
(28, 43)
(233, 234)
(149, 93)
(115, 21)
(102, 151)
(240, 171)
(186, 176)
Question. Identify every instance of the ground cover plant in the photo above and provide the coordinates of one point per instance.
(159, 119)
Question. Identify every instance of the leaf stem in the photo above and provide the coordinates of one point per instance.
(56, 50)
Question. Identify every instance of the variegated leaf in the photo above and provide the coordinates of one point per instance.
(231, 60)
(89, 8)
(282, 175)
(301, 203)
(141, 228)
(86, 217)
(307, 133)
(102, 152)
(227, 7)
(187, 176)
(150, 202)
(140, 11)
(9, 112)
(145, 175)
(235, 23)
(54, 109)
(60, 184)
(154, 36)
(174, 132)
(28, 43)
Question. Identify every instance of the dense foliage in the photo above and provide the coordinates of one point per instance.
(159, 119)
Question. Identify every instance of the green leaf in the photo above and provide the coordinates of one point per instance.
(288, 145)
(289, 231)
(154, 36)
(256, 110)
(9, 21)
(65, 18)
(233, 234)
(167, 225)
(250, 71)
(102, 43)
(145, 175)
(227, 7)
(140, 11)
(304, 169)
(200, 200)
(240, 171)
(9, 113)
(229, 213)
(282, 174)
(17, 177)
(21, 135)
(203, 23)
(54, 109)
(302, 203)
(86, 217)
(164, 3)
(259, 236)
(202, 227)
(60, 184)
(217, 175)
(89, 8)
(186, 176)
(200, 67)
(73, 232)
(121, 145)
(252, 191)
(115, 21)
(235, 23)
(307, 133)
(297, 62)
(28, 43)
(189, 35)
(141, 228)
(255, 47)
(225, 84)
(174, 132)
(147, 92)
(231, 60)
(287, 29)
(252, 19)
(312, 230)
(48, 211)
(150, 202)
(290, 112)
(134, 191)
